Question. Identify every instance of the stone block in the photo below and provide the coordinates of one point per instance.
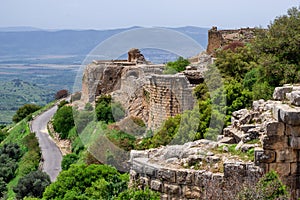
(185, 177)
(295, 98)
(138, 167)
(292, 130)
(138, 154)
(172, 189)
(286, 155)
(236, 170)
(277, 142)
(280, 92)
(275, 111)
(150, 170)
(144, 181)
(227, 140)
(156, 185)
(283, 169)
(246, 127)
(192, 192)
(290, 115)
(294, 142)
(238, 136)
(199, 178)
(228, 132)
(264, 156)
(295, 168)
(167, 175)
(275, 128)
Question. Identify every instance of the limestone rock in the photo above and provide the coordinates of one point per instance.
(295, 98)
(280, 92)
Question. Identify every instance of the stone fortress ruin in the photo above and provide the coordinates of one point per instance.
(201, 169)
(142, 88)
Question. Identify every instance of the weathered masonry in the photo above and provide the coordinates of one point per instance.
(274, 123)
(141, 87)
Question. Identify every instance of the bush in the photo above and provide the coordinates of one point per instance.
(32, 185)
(177, 66)
(63, 121)
(138, 194)
(62, 103)
(87, 182)
(108, 111)
(24, 111)
(68, 160)
(269, 187)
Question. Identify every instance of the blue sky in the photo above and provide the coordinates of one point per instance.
(108, 14)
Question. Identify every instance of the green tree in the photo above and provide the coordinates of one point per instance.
(63, 121)
(24, 111)
(32, 185)
(235, 64)
(177, 66)
(107, 110)
(83, 182)
(68, 160)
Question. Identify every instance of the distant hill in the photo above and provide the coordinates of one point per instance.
(27, 41)
(16, 93)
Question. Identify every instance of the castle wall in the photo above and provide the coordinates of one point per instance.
(220, 38)
(179, 183)
(169, 96)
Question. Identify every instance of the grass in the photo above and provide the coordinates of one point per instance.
(20, 134)
(245, 156)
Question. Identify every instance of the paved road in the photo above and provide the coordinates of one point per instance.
(50, 152)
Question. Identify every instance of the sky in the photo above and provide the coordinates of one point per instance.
(110, 14)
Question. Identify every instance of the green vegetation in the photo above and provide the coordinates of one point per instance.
(177, 66)
(63, 121)
(29, 153)
(68, 160)
(138, 194)
(9, 157)
(32, 185)
(107, 110)
(87, 182)
(246, 156)
(269, 187)
(16, 93)
(25, 111)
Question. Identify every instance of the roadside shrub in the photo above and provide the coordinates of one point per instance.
(24, 111)
(68, 160)
(63, 121)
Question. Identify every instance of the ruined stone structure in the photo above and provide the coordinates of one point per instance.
(275, 124)
(220, 38)
(142, 89)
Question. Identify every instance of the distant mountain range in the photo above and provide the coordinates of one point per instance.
(33, 42)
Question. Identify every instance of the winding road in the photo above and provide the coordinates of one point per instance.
(50, 152)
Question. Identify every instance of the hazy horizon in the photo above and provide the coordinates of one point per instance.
(113, 14)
